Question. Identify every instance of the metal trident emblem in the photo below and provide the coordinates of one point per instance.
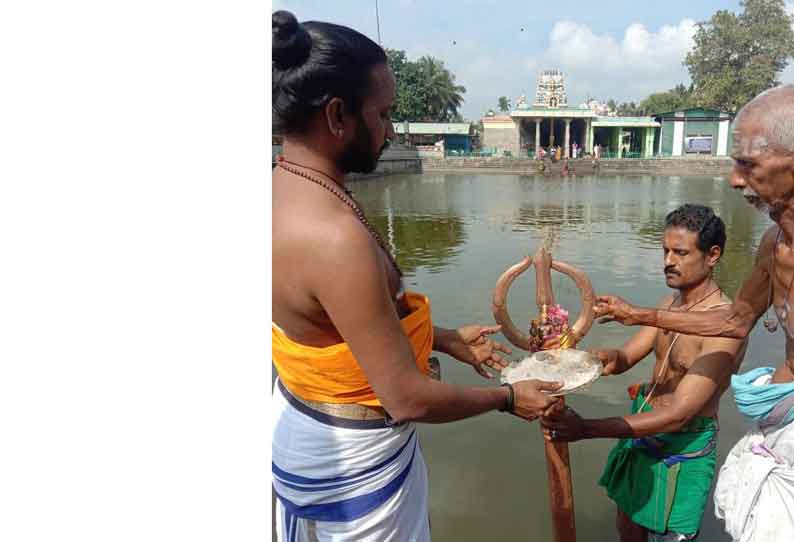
(544, 296)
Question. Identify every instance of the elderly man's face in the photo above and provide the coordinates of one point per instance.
(765, 175)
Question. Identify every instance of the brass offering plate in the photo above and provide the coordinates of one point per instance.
(576, 369)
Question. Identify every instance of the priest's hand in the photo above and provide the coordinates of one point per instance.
(530, 401)
(472, 344)
(563, 425)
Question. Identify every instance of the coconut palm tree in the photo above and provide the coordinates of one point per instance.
(445, 96)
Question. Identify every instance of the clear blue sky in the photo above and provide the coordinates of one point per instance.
(609, 49)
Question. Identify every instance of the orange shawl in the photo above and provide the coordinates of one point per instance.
(332, 375)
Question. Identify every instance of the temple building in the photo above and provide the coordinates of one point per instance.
(550, 121)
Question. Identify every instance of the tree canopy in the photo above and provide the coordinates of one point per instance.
(738, 56)
(624, 109)
(629, 109)
(735, 57)
(663, 102)
(426, 89)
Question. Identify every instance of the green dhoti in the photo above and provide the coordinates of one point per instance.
(662, 482)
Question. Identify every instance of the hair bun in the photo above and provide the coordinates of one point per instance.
(291, 43)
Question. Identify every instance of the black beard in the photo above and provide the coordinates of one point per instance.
(358, 157)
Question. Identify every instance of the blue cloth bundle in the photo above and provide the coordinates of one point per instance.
(769, 404)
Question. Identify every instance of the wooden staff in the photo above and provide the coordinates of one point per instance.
(558, 469)
(558, 465)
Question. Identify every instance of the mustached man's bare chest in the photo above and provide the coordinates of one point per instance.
(675, 354)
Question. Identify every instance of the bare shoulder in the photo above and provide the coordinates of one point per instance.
(342, 243)
(314, 226)
(319, 244)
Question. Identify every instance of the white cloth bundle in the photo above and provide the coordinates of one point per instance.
(755, 489)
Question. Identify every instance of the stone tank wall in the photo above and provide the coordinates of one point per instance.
(671, 166)
(397, 160)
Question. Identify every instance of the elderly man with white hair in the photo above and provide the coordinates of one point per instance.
(755, 489)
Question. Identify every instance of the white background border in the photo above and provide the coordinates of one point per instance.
(134, 276)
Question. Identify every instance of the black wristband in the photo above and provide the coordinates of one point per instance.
(510, 405)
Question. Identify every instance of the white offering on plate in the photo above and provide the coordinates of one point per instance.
(574, 368)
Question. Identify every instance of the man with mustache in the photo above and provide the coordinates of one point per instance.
(755, 490)
(660, 472)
